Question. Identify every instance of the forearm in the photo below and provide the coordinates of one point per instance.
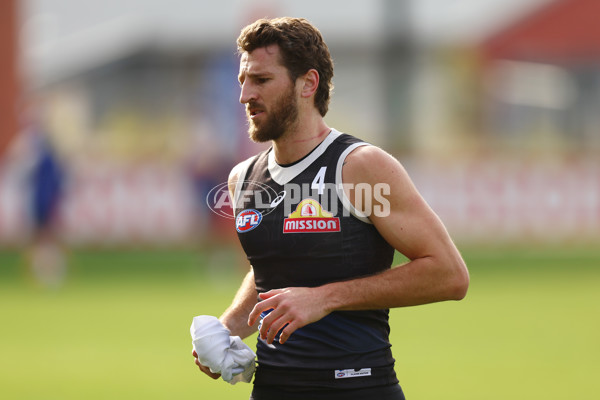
(235, 318)
(421, 281)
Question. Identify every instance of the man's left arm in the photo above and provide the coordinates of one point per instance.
(435, 270)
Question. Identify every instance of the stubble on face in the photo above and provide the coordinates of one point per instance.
(281, 118)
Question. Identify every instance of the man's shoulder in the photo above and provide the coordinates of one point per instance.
(369, 154)
(369, 161)
(240, 168)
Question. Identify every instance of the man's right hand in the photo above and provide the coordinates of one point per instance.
(204, 368)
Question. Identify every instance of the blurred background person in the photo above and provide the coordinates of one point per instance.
(44, 176)
(47, 258)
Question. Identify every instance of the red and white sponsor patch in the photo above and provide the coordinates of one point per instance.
(310, 217)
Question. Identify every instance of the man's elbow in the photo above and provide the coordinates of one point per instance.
(459, 283)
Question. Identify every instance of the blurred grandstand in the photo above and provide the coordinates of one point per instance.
(499, 127)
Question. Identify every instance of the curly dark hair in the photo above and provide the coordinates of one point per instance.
(301, 47)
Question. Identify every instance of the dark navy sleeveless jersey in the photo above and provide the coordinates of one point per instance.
(298, 229)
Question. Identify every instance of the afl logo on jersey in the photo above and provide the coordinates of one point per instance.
(247, 220)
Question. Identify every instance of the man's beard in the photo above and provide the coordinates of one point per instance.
(280, 119)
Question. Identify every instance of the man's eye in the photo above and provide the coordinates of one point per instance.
(262, 80)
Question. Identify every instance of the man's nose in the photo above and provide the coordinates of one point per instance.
(246, 93)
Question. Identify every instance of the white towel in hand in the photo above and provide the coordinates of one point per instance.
(223, 354)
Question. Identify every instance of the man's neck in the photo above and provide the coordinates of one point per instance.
(300, 141)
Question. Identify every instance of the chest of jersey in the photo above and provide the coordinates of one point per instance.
(297, 232)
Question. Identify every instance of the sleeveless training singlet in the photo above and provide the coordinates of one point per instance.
(298, 229)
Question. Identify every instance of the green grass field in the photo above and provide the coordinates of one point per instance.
(119, 328)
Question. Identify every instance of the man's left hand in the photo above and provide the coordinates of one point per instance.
(293, 308)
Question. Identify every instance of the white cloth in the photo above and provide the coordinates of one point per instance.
(223, 354)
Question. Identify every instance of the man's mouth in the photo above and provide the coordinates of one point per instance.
(253, 111)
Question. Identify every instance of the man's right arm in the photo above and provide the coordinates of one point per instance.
(235, 318)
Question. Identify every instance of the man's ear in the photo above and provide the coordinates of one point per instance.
(310, 83)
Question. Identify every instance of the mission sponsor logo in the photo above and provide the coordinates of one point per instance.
(247, 220)
(310, 217)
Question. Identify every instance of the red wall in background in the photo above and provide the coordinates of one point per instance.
(9, 76)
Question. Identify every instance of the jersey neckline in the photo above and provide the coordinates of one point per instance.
(282, 174)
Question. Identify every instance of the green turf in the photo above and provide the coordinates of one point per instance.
(119, 328)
